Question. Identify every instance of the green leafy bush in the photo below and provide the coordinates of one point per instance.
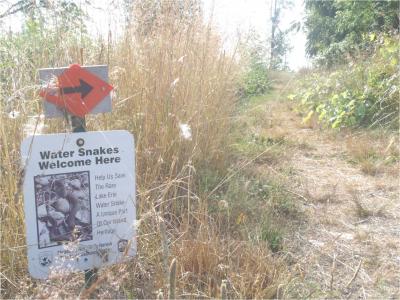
(254, 80)
(363, 93)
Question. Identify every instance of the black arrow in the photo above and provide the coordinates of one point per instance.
(84, 89)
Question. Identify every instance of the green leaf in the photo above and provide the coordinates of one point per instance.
(336, 124)
(372, 37)
(394, 62)
(308, 117)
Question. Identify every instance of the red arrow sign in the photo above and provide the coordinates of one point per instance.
(78, 91)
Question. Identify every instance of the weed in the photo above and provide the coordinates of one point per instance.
(369, 167)
(273, 236)
(273, 148)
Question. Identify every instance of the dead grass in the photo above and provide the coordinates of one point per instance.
(362, 211)
(208, 262)
(374, 152)
(326, 194)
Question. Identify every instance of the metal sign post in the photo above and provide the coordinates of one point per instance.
(79, 125)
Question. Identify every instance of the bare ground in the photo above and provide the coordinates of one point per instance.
(347, 244)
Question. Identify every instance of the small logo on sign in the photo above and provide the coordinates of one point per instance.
(45, 259)
(122, 244)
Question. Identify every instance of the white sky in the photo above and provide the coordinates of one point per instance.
(233, 16)
(230, 17)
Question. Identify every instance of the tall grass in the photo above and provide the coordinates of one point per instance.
(174, 90)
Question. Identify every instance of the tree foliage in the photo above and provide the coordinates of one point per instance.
(336, 28)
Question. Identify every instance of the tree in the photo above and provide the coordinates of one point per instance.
(279, 45)
(65, 13)
(19, 6)
(336, 29)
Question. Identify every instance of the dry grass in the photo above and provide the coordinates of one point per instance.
(250, 270)
(374, 152)
(326, 194)
(168, 69)
(361, 210)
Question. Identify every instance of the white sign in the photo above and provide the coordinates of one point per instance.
(79, 192)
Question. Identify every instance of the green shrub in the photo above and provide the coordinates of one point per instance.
(254, 55)
(363, 93)
(256, 81)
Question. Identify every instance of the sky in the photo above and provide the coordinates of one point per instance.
(233, 16)
(229, 16)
